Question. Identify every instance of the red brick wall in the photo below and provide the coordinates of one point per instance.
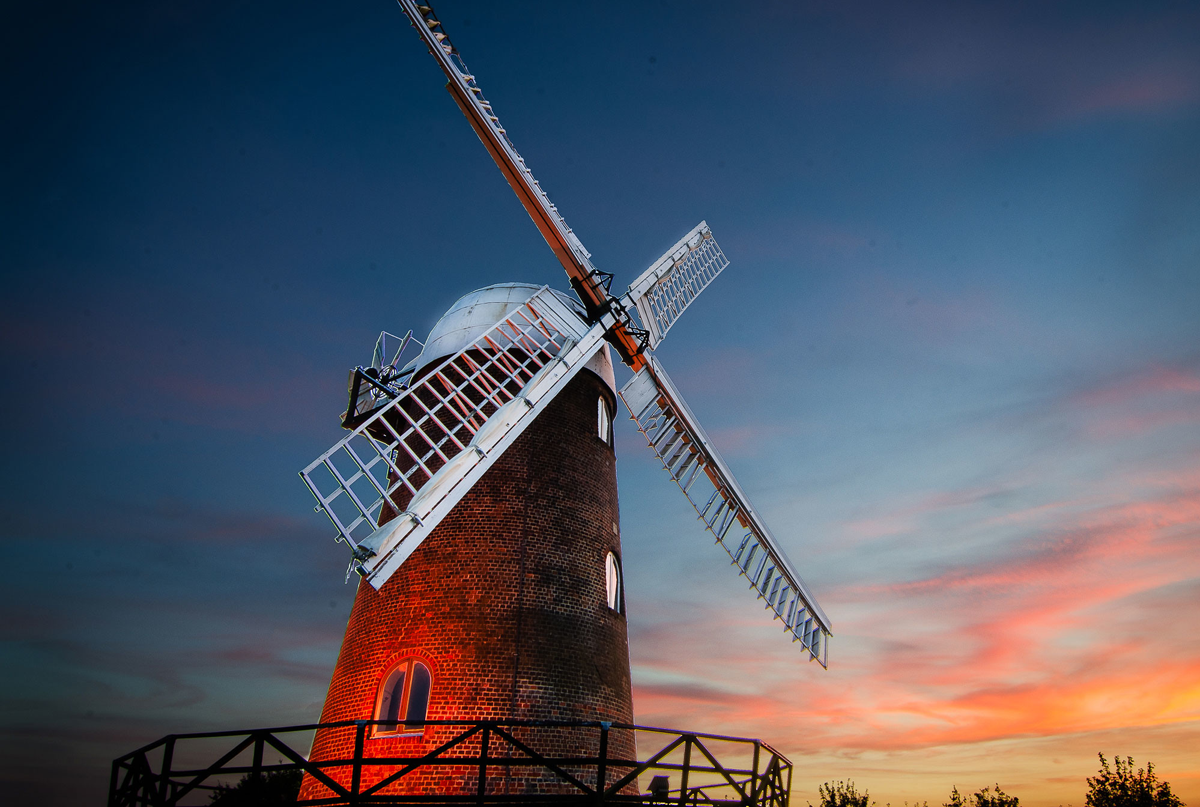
(505, 603)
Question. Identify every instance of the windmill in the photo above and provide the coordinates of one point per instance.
(476, 488)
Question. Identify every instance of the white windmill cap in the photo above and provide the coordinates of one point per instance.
(475, 312)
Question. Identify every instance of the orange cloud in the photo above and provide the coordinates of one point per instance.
(1055, 633)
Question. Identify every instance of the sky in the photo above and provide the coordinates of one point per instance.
(955, 360)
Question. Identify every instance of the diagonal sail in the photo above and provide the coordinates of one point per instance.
(588, 282)
(396, 475)
(668, 287)
(674, 435)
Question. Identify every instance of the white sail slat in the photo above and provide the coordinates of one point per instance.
(689, 457)
(664, 291)
(388, 483)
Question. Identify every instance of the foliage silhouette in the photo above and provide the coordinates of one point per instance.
(273, 789)
(982, 798)
(1117, 786)
(842, 794)
(1123, 787)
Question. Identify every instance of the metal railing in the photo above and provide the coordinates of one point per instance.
(477, 762)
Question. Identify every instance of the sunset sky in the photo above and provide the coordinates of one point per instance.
(955, 360)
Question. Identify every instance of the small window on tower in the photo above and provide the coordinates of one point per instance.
(403, 698)
(612, 582)
(604, 421)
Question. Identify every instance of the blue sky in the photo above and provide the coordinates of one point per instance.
(955, 360)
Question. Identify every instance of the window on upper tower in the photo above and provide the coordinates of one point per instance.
(612, 582)
(403, 698)
(603, 421)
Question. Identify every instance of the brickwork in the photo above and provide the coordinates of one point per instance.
(505, 603)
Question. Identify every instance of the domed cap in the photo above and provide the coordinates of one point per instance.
(474, 313)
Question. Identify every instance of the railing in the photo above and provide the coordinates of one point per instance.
(479, 762)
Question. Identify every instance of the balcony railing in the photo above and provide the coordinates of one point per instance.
(480, 762)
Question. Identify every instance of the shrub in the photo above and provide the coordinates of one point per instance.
(842, 794)
(983, 798)
(1124, 788)
(273, 789)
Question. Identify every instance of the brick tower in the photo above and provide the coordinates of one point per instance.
(506, 609)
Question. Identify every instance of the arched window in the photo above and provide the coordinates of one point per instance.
(603, 421)
(612, 582)
(404, 697)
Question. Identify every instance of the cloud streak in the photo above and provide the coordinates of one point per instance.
(1052, 619)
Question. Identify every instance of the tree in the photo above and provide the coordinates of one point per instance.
(983, 798)
(272, 789)
(995, 798)
(1123, 787)
(842, 794)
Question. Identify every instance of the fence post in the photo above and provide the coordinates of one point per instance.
(134, 782)
(258, 754)
(360, 733)
(687, 764)
(164, 784)
(481, 788)
(114, 782)
(602, 765)
(755, 779)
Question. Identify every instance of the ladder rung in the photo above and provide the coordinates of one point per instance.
(742, 548)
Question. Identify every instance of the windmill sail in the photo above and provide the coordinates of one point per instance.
(676, 437)
(396, 475)
(410, 459)
(589, 283)
(672, 282)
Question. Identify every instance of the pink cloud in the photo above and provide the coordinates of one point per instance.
(1152, 90)
(1156, 380)
(930, 314)
(1046, 77)
(743, 374)
(827, 238)
(1118, 532)
(1054, 618)
(1158, 398)
(742, 441)
(1127, 425)
(1033, 641)
(906, 517)
(153, 373)
(1051, 581)
(738, 368)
